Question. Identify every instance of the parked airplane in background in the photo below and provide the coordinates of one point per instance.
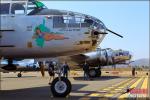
(25, 65)
(95, 59)
(99, 58)
(30, 30)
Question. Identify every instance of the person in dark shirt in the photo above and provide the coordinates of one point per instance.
(65, 69)
(133, 72)
(86, 71)
(51, 71)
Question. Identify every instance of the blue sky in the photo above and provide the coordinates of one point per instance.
(128, 18)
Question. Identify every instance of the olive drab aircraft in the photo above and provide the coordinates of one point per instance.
(30, 30)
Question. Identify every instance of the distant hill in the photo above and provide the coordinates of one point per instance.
(141, 62)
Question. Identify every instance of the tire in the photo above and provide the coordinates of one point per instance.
(61, 89)
(19, 75)
(98, 73)
(92, 72)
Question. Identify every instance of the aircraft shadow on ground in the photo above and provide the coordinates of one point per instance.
(102, 78)
(44, 93)
(36, 93)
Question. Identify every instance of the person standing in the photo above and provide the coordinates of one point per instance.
(51, 71)
(133, 72)
(86, 71)
(65, 69)
(41, 65)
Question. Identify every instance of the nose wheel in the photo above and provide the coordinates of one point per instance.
(61, 87)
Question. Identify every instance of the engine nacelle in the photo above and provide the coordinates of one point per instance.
(107, 56)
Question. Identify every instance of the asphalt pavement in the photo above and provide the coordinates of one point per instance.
(31, 86)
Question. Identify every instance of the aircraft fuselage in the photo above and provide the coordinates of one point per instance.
(33, 32)
(23, 41)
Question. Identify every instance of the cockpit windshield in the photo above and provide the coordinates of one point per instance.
(20, 7)
(31, 7)
(121, 53)
(61, 18)
(4, 8)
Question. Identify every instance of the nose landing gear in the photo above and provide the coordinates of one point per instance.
(61, 86)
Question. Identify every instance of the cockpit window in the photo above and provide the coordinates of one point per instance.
(120, 53)
(30, 7)
(89, 21)
(4, 8)
(18, 8)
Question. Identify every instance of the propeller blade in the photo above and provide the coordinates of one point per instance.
(114, 33)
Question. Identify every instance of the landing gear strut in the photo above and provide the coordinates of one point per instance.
(61, 86)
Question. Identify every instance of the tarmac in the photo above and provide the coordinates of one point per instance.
(111, 85)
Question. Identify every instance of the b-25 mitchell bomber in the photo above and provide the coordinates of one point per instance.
(30, 30)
